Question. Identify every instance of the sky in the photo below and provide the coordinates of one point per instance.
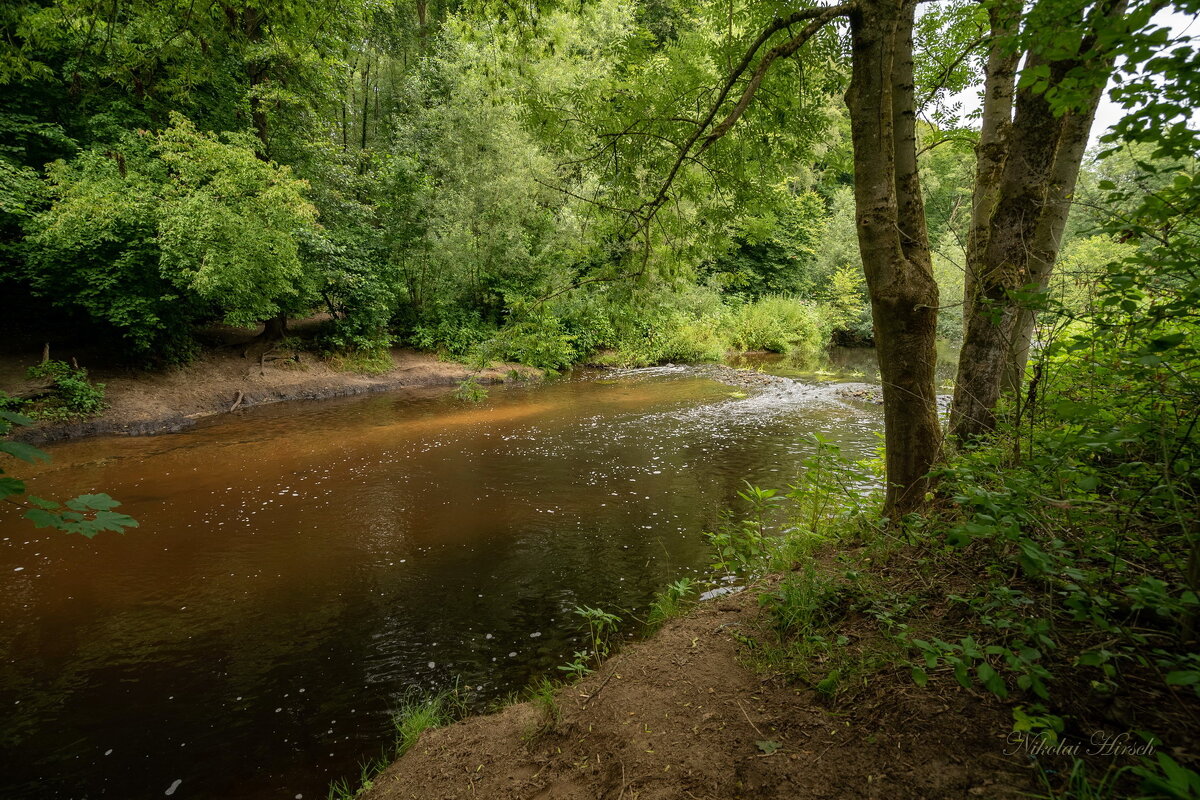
(1108, 112)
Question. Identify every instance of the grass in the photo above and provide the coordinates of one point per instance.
(415, 715)
(1080, 786)
(542, 695)
(673, 601)
(364, 362)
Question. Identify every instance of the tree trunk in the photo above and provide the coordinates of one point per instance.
(366, 101)
(999, 83)
(1047, 241)
(894, 246)
(252, 22)
(274, 328)
(1021, 212)
(1000, 267)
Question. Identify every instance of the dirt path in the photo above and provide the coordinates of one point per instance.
(678, 716)
(156, 402)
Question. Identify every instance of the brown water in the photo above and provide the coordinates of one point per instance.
(300, 568)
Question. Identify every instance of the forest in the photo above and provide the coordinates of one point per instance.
(626, 184)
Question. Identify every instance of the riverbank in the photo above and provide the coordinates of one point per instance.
(231, 378)
(680, 715)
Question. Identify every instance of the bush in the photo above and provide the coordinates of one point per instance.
(779, 324)
(450, 330)
(540, 340)
(71, 393)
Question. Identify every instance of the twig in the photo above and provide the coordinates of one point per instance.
(747, 716)
(237, 402)
(602, 685)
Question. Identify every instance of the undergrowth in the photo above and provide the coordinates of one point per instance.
(415, 714)
(364, 362)
(1054, 577)
(69, 394)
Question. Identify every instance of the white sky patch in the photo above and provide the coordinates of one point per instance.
(1108, 113)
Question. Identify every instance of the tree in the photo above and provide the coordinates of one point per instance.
(894, 243)
(1034, 133)
(163, 231)
(1027, 163)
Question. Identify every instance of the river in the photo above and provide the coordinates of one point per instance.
(300, 568)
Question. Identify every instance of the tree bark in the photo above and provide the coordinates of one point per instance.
(999, 83)
(274, 328)
(252, 21)
(1047, 241)
(366, 110)
(1021, 211)
(894, 246)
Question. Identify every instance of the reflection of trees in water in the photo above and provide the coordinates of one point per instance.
(396, 528)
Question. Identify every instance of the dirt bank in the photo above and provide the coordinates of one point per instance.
(223, 379)
(678, 716)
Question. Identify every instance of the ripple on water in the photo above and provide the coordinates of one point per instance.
(332, 547)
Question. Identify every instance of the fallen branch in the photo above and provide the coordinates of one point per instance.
(602, 685)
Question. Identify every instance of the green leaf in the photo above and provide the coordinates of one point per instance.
(41, 518)
(991, 679)
(92, 502)
(112, 521)
(48, 505)
(960, 675)
(920, 677)
(768, 746)
(1165, 342)
(25, 452)
(1183, 677)
(15, 418)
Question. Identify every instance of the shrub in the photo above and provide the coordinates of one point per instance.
(450, 330)
(540, 340)
(779, 324)
(71, 393)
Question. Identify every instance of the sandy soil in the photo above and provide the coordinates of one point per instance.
(156, 402)
(678, 716)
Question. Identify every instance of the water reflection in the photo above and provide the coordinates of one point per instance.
(844, 364)
(300, 567)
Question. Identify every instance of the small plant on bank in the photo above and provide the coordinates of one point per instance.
(578, 667)
(742, 547)
(541, 694)
(71, 394)
(828, 490)
(671, 602)
(416, 714)
(601, 626)
(471, 391)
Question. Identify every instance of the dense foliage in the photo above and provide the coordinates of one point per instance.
(448, 178)
(539, 183)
